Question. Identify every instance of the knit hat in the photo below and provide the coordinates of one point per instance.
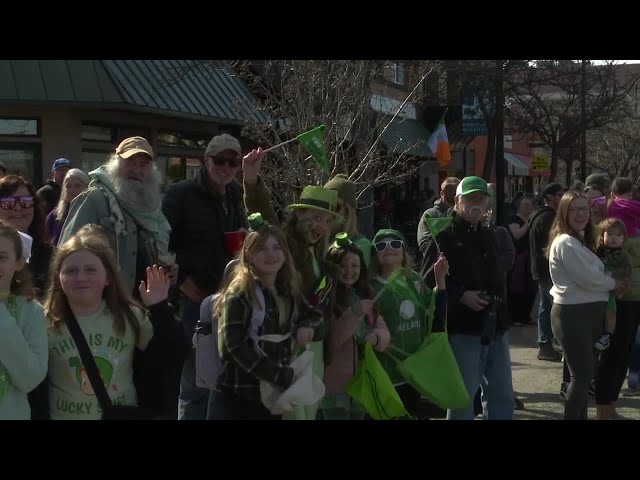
(388, 233)
(318, 198)
(346, 188)
(551, 189)
(601, 181)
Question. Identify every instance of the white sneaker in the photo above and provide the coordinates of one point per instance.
(603, 342)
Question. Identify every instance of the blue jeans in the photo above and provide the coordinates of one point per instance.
(193, 400)
(486, 366)
(545, 334)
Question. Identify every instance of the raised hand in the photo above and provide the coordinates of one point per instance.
(156, 288)
(440, 271)
(251, 164)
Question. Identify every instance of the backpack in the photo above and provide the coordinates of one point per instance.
(205, 339)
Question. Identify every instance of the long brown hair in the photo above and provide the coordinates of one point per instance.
(561, 223)
(335, 255)
(56, 305)
(362, 287)
(21, 283)
(243, 278)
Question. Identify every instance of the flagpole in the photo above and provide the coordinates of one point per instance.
(280, 144)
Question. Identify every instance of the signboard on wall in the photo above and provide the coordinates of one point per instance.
(540, 163)
(473, 121)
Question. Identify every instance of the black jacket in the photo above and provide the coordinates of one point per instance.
(541, 221)
(473, 265)
(198, 221)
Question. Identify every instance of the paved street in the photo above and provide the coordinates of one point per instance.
(537, 383)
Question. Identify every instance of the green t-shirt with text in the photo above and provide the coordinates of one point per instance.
(407, 308)
(71, 396)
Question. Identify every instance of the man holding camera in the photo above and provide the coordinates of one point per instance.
(476, 317)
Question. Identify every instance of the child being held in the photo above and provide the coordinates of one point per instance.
(612, 234)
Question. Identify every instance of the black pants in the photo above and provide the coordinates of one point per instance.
(576, 327)
(230, 406)
(614, 361)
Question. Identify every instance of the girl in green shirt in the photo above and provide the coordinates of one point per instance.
(406, 304)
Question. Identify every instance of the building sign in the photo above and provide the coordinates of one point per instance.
(540, 163)
(473, 122)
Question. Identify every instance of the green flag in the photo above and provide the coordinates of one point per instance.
(313, 140)
(437, 224)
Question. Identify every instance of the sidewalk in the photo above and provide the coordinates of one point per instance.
(537, 383)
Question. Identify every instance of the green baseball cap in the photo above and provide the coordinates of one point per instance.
(470, 185)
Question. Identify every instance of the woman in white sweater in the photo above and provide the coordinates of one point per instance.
(580, 292)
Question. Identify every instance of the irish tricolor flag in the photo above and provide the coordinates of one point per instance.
(439, 144)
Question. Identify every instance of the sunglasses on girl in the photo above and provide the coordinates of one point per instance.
(395, 244)
(9, 203)
(219, 161)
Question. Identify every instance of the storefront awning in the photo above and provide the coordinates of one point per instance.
(198, 90)
(515, 166)
(406, 136)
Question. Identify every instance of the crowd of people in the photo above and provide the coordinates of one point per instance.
(104, 280)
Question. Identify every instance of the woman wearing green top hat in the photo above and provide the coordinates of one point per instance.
(307, 229)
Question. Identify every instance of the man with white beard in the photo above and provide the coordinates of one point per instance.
(124, 198)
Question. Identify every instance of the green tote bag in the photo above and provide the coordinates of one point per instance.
(433, 371)
(372, 387)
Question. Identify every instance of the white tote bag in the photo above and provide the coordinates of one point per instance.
(307, 388)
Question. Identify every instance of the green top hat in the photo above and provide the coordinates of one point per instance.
(318, 198)
(342, 240)
(255, 221)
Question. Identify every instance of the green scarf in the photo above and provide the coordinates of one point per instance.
(153, 222)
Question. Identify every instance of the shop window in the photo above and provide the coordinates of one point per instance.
(19, 127)
(22, 160)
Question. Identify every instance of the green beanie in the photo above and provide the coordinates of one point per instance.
(388, 233)
(346, 188)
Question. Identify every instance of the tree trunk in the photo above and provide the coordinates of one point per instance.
(491, 152)
(569, 172)
(554, 163)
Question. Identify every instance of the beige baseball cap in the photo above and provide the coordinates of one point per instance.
(132, 145)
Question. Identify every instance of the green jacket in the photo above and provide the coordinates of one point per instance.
(257, 198)
(91, 206)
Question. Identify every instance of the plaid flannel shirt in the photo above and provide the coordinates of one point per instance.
(243, 367)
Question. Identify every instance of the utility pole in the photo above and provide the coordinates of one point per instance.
(499, 128)
(583, 110)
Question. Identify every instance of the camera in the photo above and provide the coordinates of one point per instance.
(489, 318)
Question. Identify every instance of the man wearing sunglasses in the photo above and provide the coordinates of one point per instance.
(476, 320)
(200, 211)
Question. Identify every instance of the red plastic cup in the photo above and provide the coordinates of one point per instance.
(233, 241)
